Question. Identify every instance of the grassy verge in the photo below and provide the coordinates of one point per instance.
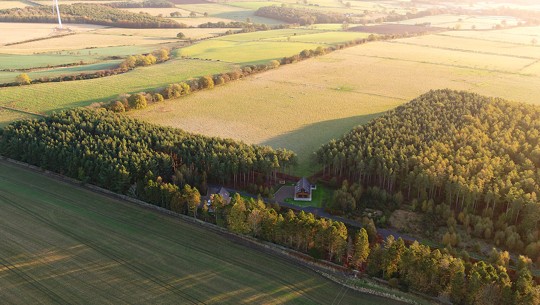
(321, 196)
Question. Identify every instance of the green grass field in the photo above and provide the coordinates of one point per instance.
(253, 52)
(48, 97)
(7, 77)
(15, 61)
(257, 47)
(63, 244)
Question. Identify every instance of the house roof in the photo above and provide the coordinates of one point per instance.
(303, 184)
(224, 193)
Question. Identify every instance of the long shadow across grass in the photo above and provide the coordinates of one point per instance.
(306, 140)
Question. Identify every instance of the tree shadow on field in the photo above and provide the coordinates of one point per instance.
(306, 141)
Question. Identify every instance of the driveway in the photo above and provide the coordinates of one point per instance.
(284, 192)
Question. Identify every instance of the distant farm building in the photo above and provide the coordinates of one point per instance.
(303, 190)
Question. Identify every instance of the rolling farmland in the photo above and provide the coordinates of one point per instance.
(62, 243)
(225, 52)
(68, 245)
(304, 105)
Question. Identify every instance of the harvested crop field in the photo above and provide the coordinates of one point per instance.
(17, 32)
(83, 40)
(64, 244)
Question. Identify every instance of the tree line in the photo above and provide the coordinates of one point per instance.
(462, 157)
(300, 16)
(126, 102)
(130, 63)
(245, 26)
(143, 4)
(88, 14)
(116, 153)
(320, 237)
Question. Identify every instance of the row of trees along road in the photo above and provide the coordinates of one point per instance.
(461, 156)
(415, 267)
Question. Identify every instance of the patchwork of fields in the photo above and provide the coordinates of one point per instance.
(226, 54)
(304, 105)
(90, 47)
(63, 244)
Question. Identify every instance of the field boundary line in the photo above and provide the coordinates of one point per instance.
(442, 64)
(330, 88)
(40, 38)
(490, 40)
(530, 65)
(462, 50)
(325, 269)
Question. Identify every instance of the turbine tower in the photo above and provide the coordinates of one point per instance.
(55, 4)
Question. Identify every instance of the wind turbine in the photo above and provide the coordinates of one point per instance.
(55, 4)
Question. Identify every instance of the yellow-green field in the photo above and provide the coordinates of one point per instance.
(44, 98)
(304, 105)
(89, 36)
(244, 52)
(264, 46)
(8, 77)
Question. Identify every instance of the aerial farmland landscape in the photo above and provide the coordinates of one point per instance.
(270, 152)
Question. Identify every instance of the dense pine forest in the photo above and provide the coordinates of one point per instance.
(116, 152)
(462, 156)
(87, 13)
